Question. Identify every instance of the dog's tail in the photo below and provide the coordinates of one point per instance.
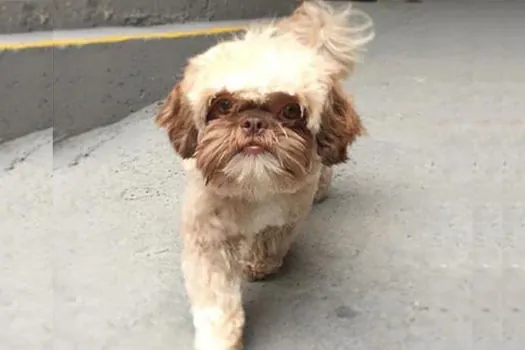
(338, 34)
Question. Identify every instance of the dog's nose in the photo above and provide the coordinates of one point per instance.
(254, 125)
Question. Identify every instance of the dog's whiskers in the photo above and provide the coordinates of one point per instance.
(284, 131)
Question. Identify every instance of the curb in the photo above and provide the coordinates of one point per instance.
(77, 80)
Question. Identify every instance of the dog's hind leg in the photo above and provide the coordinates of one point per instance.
(324, 184)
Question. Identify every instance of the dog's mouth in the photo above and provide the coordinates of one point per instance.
(253, 148)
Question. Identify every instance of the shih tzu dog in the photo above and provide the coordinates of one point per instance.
(259, 121)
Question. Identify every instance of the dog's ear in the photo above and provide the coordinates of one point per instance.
(340, 126)
(176, 117)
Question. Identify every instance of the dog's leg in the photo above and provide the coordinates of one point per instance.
(213, 283)
(265, 255)
(324, 184)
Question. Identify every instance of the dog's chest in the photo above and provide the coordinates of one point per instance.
(263, 214)
(253, 217)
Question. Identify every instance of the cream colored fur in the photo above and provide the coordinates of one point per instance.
(228, 239)
(257, 65)
(244, 231)
(338, 33)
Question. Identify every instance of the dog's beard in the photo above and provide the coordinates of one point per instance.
(222, 158)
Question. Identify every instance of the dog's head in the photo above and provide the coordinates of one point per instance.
(263, 108)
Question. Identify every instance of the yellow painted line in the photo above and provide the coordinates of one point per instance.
(109, 39)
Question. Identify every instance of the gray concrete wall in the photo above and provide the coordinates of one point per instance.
(28, 15)
(77, 88)
(100, 84)
(26, 92)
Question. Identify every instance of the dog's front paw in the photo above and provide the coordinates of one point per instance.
(217, 329)
(206, 343)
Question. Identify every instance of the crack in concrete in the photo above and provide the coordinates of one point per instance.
(19, 160)
(83, 155)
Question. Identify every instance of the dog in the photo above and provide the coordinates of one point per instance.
(259, 120)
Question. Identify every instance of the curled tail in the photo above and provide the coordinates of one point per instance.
(339, 34)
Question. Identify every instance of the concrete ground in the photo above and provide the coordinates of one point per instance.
(420, 246)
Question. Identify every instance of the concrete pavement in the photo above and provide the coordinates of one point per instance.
(421, 244)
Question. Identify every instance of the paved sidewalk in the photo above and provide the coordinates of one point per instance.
(421, 244)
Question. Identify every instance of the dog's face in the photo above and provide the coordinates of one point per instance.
(259, 112)
(251, 139)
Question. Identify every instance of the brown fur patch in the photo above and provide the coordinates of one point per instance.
(340, 126)
(175, 117)
(274, 103)
(266, 253)
(291, 143)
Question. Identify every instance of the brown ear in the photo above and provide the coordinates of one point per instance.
(175, 117)
(340, 126)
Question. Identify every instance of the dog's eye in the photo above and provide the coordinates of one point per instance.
(224, 105)
(220, 107)
(292, 111)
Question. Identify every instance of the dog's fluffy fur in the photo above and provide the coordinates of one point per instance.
(259, 120)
